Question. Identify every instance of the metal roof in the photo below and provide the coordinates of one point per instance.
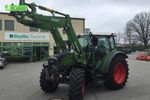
(103, 33)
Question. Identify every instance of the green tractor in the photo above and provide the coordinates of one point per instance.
(84, 59)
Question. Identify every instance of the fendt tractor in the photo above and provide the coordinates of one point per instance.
(84, 59)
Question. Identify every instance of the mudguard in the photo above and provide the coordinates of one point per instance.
(108, 62)
(47, 73)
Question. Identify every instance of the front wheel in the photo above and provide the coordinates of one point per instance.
(46, 85)
(77, 84)
(118, 73)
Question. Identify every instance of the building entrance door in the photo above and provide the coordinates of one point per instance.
(37, 53)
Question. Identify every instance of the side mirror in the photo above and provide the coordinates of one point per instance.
(94, 41)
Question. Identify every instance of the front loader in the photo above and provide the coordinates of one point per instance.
(84, 59)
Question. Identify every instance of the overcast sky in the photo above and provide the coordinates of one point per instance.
(100, 15)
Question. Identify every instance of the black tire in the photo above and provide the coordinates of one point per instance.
(77, 84)
(115, 83)
(5, 63)
(47, 86)
(1, 68)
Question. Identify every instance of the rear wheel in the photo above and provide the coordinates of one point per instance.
(118, 73)
(47, 86)
(77, 84)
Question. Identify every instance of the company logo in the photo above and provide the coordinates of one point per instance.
(11, 36)
(26, 36)
(18, 36)
(16, 8)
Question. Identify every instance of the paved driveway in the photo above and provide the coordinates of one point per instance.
(21, 82)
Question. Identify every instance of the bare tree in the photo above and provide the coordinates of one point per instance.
(128, 34)
(139, 27)
(119, 36)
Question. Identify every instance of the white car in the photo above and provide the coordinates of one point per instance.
(3, 62)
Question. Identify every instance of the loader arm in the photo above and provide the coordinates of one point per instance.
(51, 23)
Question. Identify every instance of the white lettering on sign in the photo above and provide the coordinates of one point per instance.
(26, 36)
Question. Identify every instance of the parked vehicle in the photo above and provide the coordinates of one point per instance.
(145, 55)
(3, 61)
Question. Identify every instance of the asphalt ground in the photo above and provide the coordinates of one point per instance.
(20, 81)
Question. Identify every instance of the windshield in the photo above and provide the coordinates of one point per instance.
(106, 41)
(84, 40)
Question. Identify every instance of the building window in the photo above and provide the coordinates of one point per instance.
(32, 29)
(87, 30)
(45, 44)
(9, 25)
(28, 44)
(42, 30)
(7, 44)
(36, 44)
(64, 31)
(17, 44)
(0, 24)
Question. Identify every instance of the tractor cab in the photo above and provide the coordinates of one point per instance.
(97, 46)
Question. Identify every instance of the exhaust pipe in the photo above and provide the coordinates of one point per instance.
(22, 2)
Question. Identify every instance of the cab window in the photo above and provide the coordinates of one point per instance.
(103, 43)
(83, 42)
(112, 42)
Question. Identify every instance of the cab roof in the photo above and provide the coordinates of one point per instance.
(101, 34)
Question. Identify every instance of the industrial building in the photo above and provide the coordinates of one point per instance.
(17, 40)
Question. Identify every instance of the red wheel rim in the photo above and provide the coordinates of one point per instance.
(120, 73)
(83, 86)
